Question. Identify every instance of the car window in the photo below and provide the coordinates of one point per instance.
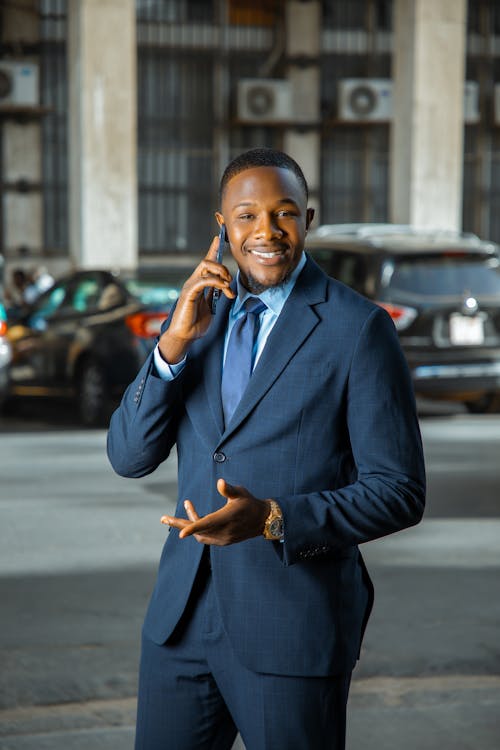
(111, 296)
(325, 258)
(159, 293)
(445, 276)
(86, 295)
(66, 298)
(48, 303)
(351, 270)
(348, 267)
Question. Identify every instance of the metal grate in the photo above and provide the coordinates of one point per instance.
(354, 157)
(54, 96)
(191, 55)
(176, 123)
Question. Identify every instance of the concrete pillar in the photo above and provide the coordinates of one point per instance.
(21, 144)
(303, 47)
(427, 131)
(22, 169)
(103, 133)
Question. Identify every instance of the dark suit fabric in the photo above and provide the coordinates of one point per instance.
(195, 694)
(328, 428)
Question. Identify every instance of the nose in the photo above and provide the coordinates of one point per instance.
(267, 227)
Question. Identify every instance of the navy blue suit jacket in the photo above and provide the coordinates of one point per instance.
(328, 428)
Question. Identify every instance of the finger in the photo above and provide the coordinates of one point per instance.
(201, 536)
(210, 268)
(210, 540)
(228, 490)
(211, 282)
(208, 281)
(176, 523)
(229, 292)
(188, 530)
(206, 524)
(212, 250)
(191, 511)
(195, 527)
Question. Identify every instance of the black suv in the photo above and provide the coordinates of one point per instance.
(441, 289)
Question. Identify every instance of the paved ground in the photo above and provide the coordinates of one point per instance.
(78, 552)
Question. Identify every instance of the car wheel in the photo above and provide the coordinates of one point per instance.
(487, 404)
(8, 406)
(93, 395)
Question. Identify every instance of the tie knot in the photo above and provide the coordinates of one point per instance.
(254, 305)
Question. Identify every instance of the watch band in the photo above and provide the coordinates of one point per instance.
(273, 527)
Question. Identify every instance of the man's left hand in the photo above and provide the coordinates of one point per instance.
(242, 517)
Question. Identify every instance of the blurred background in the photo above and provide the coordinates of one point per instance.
(117, 118)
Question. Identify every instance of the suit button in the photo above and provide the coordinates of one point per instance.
(219, 457)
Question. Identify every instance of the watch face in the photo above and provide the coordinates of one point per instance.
(276, 527)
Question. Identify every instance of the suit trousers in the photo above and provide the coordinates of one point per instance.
(194, 694)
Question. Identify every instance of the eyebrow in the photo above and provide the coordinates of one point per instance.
(282, 201)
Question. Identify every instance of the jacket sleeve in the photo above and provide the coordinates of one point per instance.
(143, 429)
(388, 493)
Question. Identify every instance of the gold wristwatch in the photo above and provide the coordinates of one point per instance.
(273, 527)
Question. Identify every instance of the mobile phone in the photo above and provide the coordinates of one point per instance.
(219, 256)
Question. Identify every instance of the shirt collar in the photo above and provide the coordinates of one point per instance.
(273, 298)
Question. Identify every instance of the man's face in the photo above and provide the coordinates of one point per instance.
(266, 217)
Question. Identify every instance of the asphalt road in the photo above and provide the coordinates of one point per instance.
(78, 553)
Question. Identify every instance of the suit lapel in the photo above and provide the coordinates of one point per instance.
(295, 323)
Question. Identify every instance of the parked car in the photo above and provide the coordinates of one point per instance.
(5, 354)
(441, 289)
(86, 337)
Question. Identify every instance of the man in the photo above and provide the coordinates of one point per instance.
(256, 620)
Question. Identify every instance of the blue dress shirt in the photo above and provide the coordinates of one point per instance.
(273, 298)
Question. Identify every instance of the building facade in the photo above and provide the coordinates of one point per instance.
(213, 78)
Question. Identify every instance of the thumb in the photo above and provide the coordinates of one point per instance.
(227, 490)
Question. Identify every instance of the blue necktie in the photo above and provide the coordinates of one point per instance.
(239, 356)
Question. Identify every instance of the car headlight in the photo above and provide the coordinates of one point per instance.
(5, 353)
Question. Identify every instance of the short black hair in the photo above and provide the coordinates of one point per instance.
(261, 157)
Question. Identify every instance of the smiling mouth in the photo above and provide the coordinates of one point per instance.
(267, 254)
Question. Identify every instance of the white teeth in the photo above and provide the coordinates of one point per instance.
(265, 255)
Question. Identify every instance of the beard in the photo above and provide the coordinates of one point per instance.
(257, 287)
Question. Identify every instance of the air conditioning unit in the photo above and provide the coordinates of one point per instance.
(265, 101)
(18, 84)
(370, 100)
(471, 102)
(365, 99)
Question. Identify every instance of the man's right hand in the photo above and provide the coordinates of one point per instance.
(192, 315)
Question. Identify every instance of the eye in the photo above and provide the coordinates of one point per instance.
(285, 213)
(246, 217)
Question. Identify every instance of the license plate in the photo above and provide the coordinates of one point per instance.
(465, 330)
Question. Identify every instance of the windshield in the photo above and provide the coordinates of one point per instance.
(444, 276)
(157, 292)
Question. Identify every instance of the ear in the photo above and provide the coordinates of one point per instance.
(309, 217)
